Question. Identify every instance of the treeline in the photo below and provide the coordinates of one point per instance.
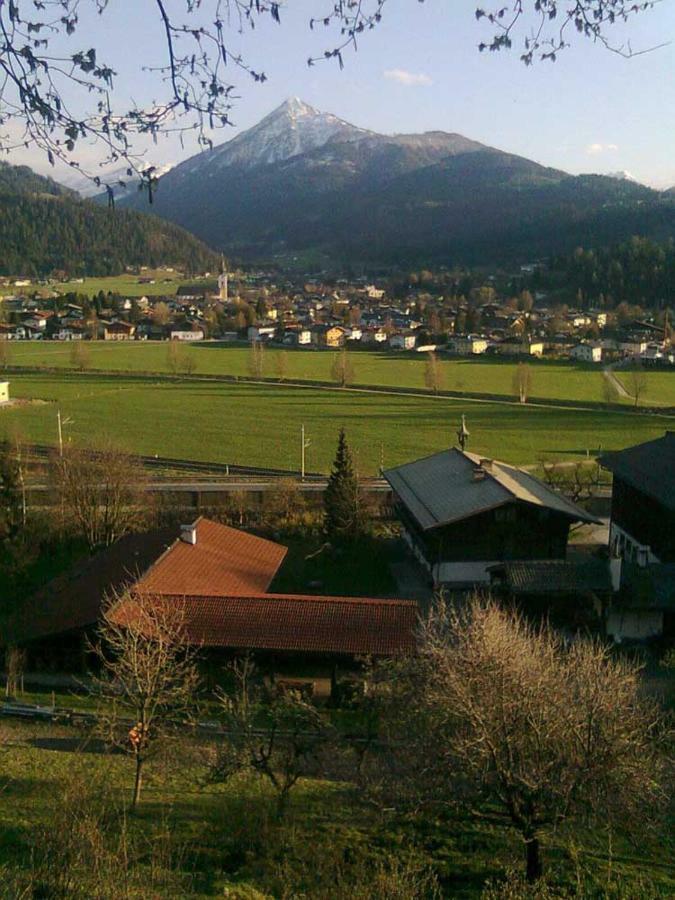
(40, 234)
(639, 271)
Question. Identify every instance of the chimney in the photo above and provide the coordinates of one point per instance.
(188, 533)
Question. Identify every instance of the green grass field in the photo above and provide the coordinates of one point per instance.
(191, 838)
(126, 285)
(550, 380)
(259, 425)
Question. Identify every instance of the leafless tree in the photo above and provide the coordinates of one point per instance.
(281, 361)
(161, 314)
(57, 99)
(578, 481)
(637, 383)
(609, 391)
(433, 374)
(173, 357)
(522, 382)
(256, 359)
(342, 369)
(5, 354)
(147, 688)
(14, 466)
(273, 731)
(100, 492)
(285, 503)
(511, 720)
(80, 358)
(15, 661)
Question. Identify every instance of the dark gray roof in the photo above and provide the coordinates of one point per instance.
(557, 576)
(648, 467)
(453, 485)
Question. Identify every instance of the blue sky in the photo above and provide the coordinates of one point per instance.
(591, 111)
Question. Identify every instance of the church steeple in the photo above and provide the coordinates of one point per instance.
(222, 280)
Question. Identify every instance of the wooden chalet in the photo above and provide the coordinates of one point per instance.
(462, 514)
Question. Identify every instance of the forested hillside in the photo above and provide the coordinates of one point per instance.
(46, 227)
(638, 271)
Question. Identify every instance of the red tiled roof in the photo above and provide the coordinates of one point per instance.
(299, 623)
(73, 600)
(224, 560)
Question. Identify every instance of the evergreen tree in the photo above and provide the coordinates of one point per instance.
(343, 514)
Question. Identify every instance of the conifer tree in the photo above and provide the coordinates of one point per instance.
(343, 514)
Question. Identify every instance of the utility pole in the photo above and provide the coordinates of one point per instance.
(304, 444)
(61, 422)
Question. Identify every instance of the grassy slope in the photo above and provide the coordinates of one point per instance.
(260, 425)
(552, 381)
(223, 836)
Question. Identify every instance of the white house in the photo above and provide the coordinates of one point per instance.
(261, 332)
(468, 345)
(179, 335)
(403, 341)
(587, 353)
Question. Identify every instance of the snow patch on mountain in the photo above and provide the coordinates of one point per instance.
(291, 129)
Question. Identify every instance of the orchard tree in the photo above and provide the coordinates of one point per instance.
(148, 676)
(540, 733)
(60, 95)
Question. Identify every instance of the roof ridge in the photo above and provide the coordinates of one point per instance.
(317, 598)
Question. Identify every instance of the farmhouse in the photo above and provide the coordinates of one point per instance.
(462, 514)
(220, 577)
(642, 539)
(642, 525)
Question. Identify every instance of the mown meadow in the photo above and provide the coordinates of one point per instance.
(259, 424)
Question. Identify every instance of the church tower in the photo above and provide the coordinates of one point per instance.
(222, 281)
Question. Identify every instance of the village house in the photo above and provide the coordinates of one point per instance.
(467, 345)
(461, 514)
(590, 353)
(642, 538)
(403, 341)
(119, 331)
(220, 578)
(516, 346)
(182, 333)
(642, 525)
(332, 336)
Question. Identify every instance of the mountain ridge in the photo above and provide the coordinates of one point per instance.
(305, 180)
(45, 226)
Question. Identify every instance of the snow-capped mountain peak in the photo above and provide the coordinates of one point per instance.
(292, 128)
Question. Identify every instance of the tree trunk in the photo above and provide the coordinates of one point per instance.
(138, 782)
(533, 859)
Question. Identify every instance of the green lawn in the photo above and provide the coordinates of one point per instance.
(191, 838)
(550, 380)
(259, 425)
